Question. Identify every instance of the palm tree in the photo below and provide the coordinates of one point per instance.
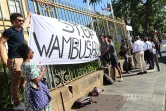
(93, 2)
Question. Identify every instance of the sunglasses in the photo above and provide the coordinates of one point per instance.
(20, 20)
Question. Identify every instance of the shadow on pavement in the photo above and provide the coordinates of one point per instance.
(105, 103)
(162, 60)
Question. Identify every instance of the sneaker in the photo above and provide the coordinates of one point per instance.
(145, 72)
(21, 106)
(140, 73)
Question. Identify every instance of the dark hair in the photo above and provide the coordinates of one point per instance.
(122, 40)
(13, 16)
(145, 39)
(109, 36)
(23, 50)
(103, 35)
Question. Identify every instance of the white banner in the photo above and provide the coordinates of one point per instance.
(58, 42)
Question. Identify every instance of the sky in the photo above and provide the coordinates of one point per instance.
(98, 6)
(78, 3)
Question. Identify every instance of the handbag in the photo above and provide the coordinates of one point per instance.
(39, 95)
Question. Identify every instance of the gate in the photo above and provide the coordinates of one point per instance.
(59, 75)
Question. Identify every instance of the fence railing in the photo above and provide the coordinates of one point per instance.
(59, 75)
(68, 11)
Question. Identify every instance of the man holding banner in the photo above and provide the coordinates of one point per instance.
(113, 58)
(14, 36)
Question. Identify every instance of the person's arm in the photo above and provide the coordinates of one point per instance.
(39, 78)
(3, 40)
(134, 48)
(26, 22)
(108, 48)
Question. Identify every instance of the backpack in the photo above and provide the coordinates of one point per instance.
(95, 92)
(157, 45)
(107, 80)
(81, 102)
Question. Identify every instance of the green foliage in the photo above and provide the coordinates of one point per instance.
(146, 15)
(4, 88)
(117, 47)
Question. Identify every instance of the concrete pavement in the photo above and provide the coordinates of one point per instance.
(144, 92)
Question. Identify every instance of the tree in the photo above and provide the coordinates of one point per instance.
(93, 2)
(146, 15)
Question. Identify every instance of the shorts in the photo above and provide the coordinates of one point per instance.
(114, 61)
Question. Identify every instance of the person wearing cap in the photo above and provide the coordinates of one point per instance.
(149, 53)
(113, 58)
(138, 50)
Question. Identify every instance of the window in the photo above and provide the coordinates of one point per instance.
(15, 6)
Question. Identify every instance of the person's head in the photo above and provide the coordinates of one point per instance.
(109, 38)
(16, 19)
(149, 38)
(102, 38)
(137, 38)
(25, 52)
(145, 39)
(155, 39)
(123, 41)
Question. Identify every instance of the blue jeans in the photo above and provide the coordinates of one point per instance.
(158, 52)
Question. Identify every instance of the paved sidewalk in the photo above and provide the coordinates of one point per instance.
(144, 92)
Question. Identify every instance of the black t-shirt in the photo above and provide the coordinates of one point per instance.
(157, 45)
(104, 46)
(15, 38)
(124, 47)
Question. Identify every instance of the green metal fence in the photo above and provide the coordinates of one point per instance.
(59, 75)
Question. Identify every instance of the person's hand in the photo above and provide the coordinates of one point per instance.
(4, 61)
(43, 69)
(29, 13)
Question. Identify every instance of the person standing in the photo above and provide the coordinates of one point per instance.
(155, 58)
(149, 53)
(138, 50)
(14, 36)
(157, 47)
(32, 74)
(124, 49)
(113, 58)
(103, 49)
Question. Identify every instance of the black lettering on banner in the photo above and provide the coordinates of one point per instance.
(88, 43)
(56, 41)
(74, 47)
(80, 50)
(94, 48)
(66, 41)
(91, 33)
(76, 25)
(70, 31)
(43, 47)
(83, 30)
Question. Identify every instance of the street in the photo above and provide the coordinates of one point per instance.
(144, 92)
